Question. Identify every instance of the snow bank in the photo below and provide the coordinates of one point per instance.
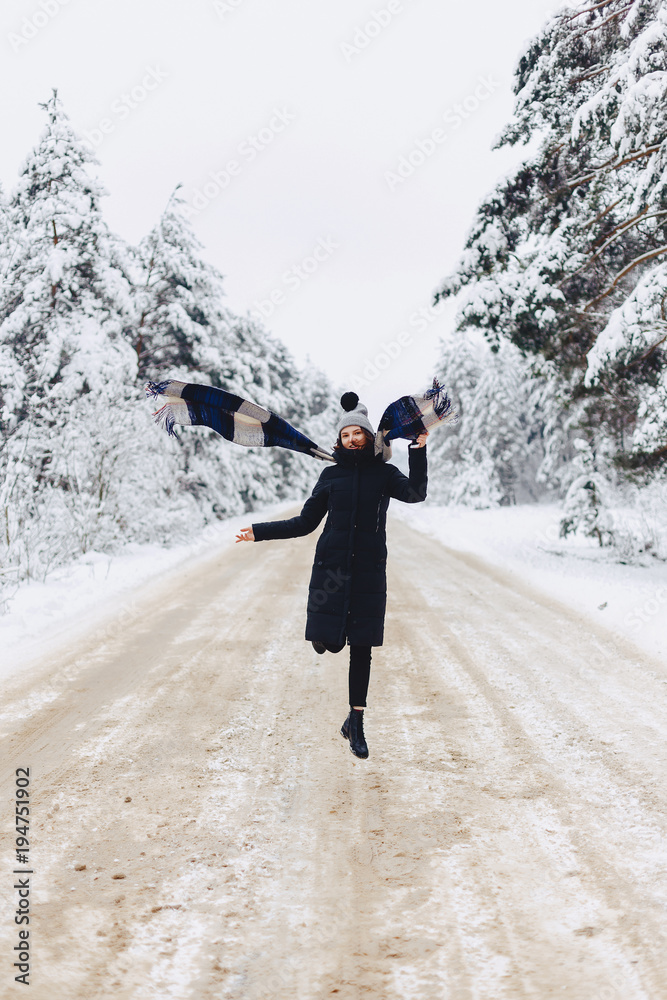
(522, 540)
(94, 587)
(630, 600)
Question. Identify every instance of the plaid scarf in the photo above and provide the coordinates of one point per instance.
(235, 418)
(411, 416)
(250, 425)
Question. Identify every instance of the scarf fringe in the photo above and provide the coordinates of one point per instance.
(169, 387)
(175, 409)
(164, 418)
(442, 404)
(245, 423)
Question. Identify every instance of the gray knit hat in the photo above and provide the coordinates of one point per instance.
(355, 414)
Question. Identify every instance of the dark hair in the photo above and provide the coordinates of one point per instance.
(370, 440)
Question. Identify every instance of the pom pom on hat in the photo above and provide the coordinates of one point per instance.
(349, 401)
(355, 413)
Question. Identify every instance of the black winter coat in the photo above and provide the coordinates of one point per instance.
(348, 584)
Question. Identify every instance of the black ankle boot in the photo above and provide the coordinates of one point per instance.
(322, 647)
(353, 730)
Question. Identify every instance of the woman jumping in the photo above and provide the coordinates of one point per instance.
(348, 584)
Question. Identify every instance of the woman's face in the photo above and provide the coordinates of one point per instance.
(352, 437)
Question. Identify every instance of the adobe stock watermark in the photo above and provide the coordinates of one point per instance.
(391, 350)
(550, 535)
(224, 7)
(424, 148)
(292, 279)
(367, 32)
(333, 584)
(643, 613)
(123, 106)
(32, 25)
(247, 151)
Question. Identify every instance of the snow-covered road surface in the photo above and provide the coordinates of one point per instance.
(505, 839)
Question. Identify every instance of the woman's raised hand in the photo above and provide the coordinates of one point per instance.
(246, 535)
(421, 440)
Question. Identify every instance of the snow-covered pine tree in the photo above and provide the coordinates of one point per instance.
(459, 366)
(77, 472)
(7, 240)
(61, 329)
(84, 320)
(182, 324)
(631, 347)
(552, 416)
(185, 331)
(565, 240)
(493, 454)
(586, 506)
(321, 402)
(10, 374)
(296, 394)
(11, 388)
(181, 330)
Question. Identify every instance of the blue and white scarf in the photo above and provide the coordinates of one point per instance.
(411, 416)
(235, 418)
(250, 425)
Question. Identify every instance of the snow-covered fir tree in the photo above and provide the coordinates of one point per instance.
(586, 506)
(493, 455)
(66, 295)
(459, 366)
(84, 321)
(566, 257)
(182, 324)
(7, 241)
(184, 330)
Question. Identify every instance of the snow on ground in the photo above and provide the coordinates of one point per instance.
(96, 586)
(631, 600)
(628, 599)
(505, 839)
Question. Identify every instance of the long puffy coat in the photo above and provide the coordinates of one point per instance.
(348, 584)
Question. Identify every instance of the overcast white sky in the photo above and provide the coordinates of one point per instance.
(331, 95)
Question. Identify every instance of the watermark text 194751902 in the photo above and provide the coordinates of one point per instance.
(22, 882)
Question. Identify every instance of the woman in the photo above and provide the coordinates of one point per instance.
(348, 587)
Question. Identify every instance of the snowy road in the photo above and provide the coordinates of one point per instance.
(506, 838)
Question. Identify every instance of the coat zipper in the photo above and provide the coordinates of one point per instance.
(353, 525)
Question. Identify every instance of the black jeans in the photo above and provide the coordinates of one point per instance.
(360, 671)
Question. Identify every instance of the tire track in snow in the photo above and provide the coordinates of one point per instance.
(613, 891)
(467, 858)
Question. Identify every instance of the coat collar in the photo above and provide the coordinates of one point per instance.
(348, 458)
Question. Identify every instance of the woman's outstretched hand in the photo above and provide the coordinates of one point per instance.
(421, 440)
(246, 535)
